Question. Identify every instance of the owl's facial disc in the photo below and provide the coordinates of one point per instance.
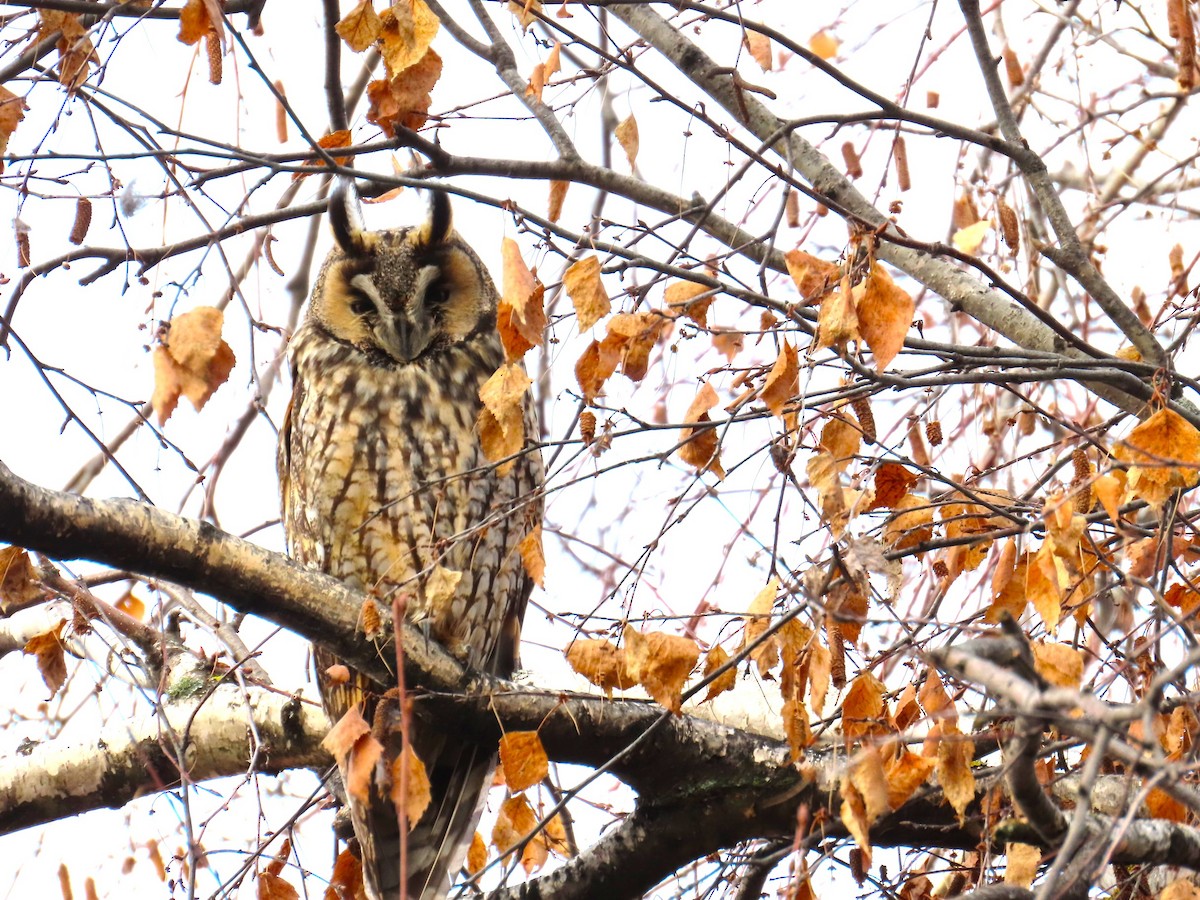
(406, 332)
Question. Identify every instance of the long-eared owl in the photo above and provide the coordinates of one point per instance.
(384, 485)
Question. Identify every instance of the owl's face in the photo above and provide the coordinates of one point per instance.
(400, 295)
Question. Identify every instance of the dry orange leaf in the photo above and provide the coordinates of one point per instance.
(679, 298)
(558, 194)
(403, 100)
(759, 46)
(855, 819)
(892, 484)
(406, 32)
(823, 44)
(727, 680)
(934, 699)
(1162, 805)
(417, 792)
(520, 315)
(595, 367)
(661, 663)
(195, 22)
(583, 285)
(346, 880)
(783, 381)
(524, 760)
(905, 773)
(837, 322)
(885, 313)
(501, 422)
(345, 733)
(1163, 454)
(729, 343)
(910, 524)
(515, 822)
(359, 766)
(841, 441)
(796, 726)
(954, 756)
(51, 656)
(633, 336)
(193, 360)
(757, 620)
(1059, 664)
(533, 557)
(1010, 596)
(813, 275)
(701, 447)
(18, 579)
(273, 887)
(601, 663)
(627, 136)
(360, 27)
(12, 111)
(863, 709)
(477, 855)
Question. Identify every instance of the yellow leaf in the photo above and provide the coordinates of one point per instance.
(515, 821)
(841, 441)
(1163, 454)
(700, 447)
(583, 285)
(1023, 861)
(661, 663)
(501, 423)
(524, 760)
(360, 27)
(968, 239)
(627, 136)
(757, 620)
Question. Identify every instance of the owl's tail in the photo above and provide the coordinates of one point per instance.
(460, 773)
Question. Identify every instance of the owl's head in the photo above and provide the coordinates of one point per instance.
(401, 294)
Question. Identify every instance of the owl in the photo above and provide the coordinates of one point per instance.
(385, 486)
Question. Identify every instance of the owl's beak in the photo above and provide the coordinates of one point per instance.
(404, 336)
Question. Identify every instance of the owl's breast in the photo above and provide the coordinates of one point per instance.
(388, 488)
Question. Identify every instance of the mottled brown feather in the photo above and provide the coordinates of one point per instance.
(383, 480)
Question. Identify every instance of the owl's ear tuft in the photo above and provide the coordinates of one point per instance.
(345, 216)
(440, 221)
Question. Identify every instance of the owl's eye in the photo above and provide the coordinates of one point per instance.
(437, 294)
(360, 305)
